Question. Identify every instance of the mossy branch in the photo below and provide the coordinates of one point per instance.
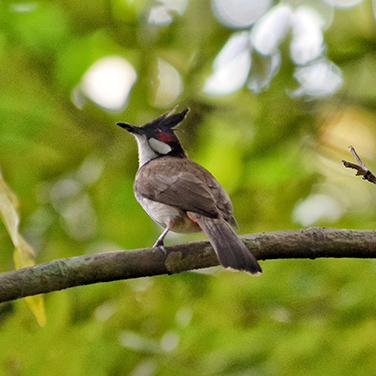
(104, 267)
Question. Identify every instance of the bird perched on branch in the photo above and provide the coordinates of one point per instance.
(182, 196)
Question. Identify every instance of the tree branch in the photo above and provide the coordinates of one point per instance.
(104, 267)
(360, 168)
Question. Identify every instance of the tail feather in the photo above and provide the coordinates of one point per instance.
(230, 250)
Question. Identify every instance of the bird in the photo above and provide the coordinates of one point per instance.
(181, 195)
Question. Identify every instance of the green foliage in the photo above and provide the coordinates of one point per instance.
(72, 169)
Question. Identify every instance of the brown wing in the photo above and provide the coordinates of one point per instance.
(183, 184)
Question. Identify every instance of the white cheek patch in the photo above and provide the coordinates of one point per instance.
(159, 146)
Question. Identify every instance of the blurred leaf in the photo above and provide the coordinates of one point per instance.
(23, 254)
(9, 210)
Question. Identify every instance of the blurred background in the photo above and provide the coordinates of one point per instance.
(277, 92)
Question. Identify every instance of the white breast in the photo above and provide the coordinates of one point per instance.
(160, 213)
(167, 216)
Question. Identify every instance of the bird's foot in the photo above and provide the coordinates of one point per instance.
(159, 244)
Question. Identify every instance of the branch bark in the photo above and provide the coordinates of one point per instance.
(60, 274)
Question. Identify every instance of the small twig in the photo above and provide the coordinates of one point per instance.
(361, 169)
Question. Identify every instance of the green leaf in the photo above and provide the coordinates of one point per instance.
(9, 210)
(23, 254)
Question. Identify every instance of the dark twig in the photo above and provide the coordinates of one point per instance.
(361, 168)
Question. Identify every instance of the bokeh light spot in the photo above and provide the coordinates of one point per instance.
(239, 13)
(342, 3)
(319, 79)
(308, 42)
(166, 84)
(315, 207)
(162, 14)
(108, 82)
(271, 29)
(231, 66)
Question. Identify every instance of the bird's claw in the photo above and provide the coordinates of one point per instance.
(159, 244)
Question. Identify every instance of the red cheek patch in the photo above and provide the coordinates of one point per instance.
(166, 137)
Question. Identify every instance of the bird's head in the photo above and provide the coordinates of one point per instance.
(158, 138)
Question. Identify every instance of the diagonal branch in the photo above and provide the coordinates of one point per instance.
(104, 267)
(361, 168)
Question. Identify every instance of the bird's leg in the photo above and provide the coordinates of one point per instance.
(159, 243)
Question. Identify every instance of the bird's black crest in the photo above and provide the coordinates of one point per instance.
(167, 120)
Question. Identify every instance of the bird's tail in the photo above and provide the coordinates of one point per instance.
(230, 250)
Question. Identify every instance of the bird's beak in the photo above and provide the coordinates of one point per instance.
(131, 128)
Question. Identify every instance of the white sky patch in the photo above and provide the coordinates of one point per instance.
(108, 82)
(320, 78)
(239, 13)
(308, 41)
(342, 3)
(231, 66)
(163, 13)
(271, 29)
(168, 84)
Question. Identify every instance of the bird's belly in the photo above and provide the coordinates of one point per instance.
(168, 216)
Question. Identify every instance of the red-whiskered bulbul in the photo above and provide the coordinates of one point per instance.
(182, 196)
